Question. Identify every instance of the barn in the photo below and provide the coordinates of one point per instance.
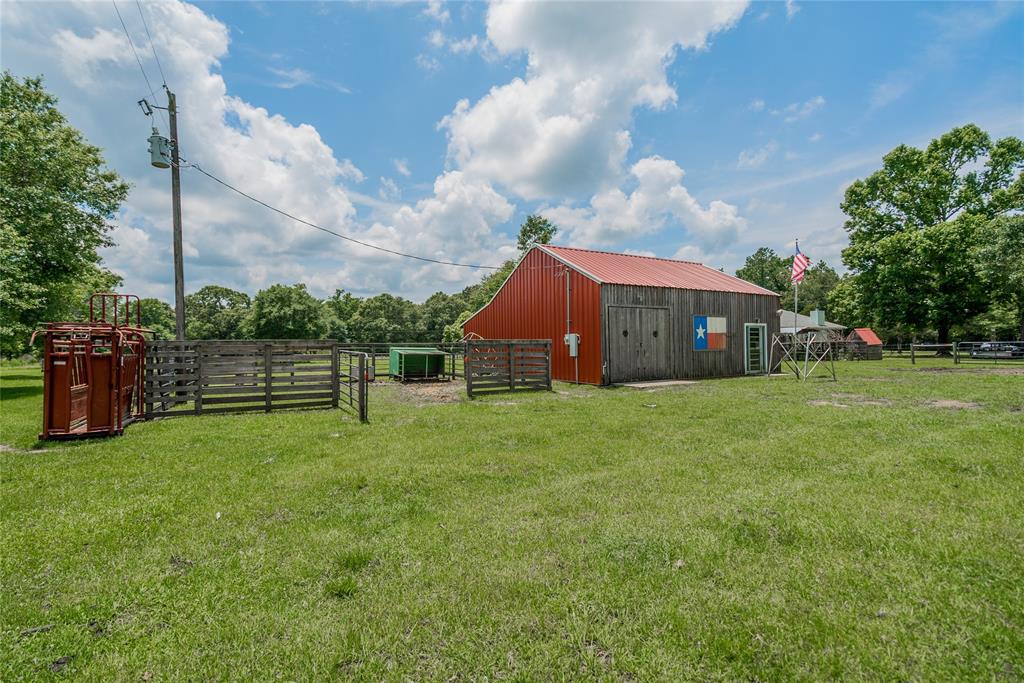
(623, 318)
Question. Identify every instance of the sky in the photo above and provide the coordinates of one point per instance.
(684, 130)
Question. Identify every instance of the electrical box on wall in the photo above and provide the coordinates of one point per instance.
(572, 340)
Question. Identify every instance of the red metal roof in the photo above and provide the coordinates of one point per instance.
(648, 271)
(868, 335)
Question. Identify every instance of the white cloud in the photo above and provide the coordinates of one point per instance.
(466, 45)
(755, 157)
(296, 77)
(435, 9)
(800, 110)
(389, 189)
(791, 9)
(563, 129)
(436, 38)
(659, 195)
(816, 137)
(893, 88)
(457, 219)
(756, 105)
(402, 166)
(427, 63)
(83, 57)
(229, 240)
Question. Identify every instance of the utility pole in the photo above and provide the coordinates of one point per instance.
(179, 263)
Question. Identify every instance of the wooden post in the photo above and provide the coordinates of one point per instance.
(913, 361)
(511, 366)
(199, 381)
(547, 352)
(335, 376)
(363, 417)
(467, 368)
(268, 370)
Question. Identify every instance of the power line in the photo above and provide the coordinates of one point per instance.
(134, 52)
(152, 45)
(332, 232)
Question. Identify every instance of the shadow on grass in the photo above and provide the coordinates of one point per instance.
(12, 393)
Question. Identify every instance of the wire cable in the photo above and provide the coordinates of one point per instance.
(152, 45)
(134, 52)
(332, 232)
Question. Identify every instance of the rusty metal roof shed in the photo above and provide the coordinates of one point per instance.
(649, 271)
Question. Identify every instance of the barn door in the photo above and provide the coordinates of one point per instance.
(639, 343)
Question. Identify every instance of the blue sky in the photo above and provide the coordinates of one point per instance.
(688, 130)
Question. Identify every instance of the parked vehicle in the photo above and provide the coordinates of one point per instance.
(998, 350)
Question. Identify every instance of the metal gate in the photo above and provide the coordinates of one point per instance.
(203, 377)
(639, 343)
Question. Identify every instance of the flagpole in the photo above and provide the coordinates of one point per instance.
(796, 306)
(796, 297)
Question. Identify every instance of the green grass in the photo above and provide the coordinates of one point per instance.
(723, 530)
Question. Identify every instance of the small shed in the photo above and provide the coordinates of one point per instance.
(620, 317)
(405, 363)
(864, 344)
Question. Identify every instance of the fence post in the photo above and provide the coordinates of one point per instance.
(198, 359)
(547, 352)
(467, 368)
(363, 417)
(912, 360)
(335, 376)
(511, 366)
(268, 360)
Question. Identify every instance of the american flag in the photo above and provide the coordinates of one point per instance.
(800, 263)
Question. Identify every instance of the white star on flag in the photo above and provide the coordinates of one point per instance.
(700, 331)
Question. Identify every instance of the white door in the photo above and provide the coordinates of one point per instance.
(754, 350)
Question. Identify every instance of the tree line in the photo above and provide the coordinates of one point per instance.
(936, 245)
(292, 312)
(936, 248)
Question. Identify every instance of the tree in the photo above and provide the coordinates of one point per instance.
(158, 316)
(282, 312)
(819, 279)
(384, 318)
(216, 312)
(535, 230)
(930, 278)
(1001, 262)
(436, 313)
(56, 198)
(937, 191)
(766, 269)
(453, 331)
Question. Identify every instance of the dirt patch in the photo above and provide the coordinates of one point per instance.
(840, 400)
(952, 403)
(860, 400)
(570, 394)
(425, 393)
(4, 448)
(834, 404)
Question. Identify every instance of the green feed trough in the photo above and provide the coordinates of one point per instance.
(417, 363)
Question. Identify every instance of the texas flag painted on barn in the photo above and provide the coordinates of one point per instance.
(708, 333)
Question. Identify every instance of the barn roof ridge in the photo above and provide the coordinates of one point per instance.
(613, 268)
(619, 253)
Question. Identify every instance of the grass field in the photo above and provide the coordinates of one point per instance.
(751, 528)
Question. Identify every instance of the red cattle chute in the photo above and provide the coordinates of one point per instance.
(93, 372)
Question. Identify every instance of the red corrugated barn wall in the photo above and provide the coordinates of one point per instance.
(531, 305)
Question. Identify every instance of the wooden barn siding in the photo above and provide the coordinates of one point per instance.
(683, 304)
(531, 305)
